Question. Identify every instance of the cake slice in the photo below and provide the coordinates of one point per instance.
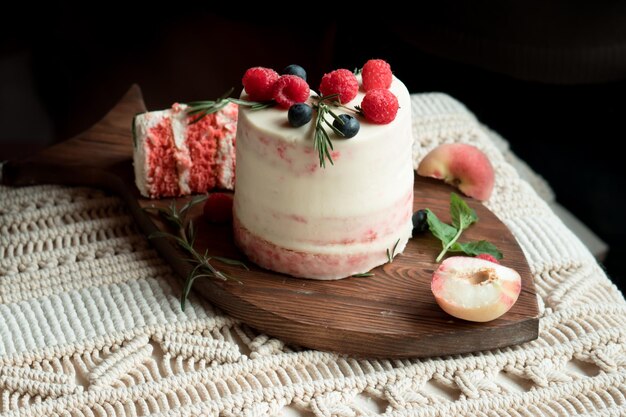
(174, 155)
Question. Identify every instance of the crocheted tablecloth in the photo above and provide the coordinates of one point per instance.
(90, 323)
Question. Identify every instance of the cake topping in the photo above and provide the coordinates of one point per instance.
(321, 140)
(337, 88)
(299, 114)
(296, 70)
(341, 82)
(379, 106)
(420, 225)
(290, 90)
(259, 83)
(376, 73)
(350, 126)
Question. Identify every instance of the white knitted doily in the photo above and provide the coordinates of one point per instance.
(90, 323)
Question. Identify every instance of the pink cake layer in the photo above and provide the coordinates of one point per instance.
(303, 264)
(162, 175)
(203, 139)
(379, 225)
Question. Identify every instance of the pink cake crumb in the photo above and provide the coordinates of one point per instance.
(162, 173)
(202, 138)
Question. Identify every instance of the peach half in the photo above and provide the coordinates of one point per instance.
(461, 165)
(475, 289)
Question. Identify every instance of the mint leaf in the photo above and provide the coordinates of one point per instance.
(441, 230)
(462, 215)
(476, 248)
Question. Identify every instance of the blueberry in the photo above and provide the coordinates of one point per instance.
(299, 114)
(350, 125)
(420, 224)
(295, 70)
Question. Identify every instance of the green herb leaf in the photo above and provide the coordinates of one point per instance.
(442, 231)
(159, 234)
(191, 233)
(168, 215)
(199, 109)
(195, 200)
(187, 287)
(462, 215)
(476, 248)
(363, 275)
(233, 262)
(395, 246)
(392, 253)
(184, 237)
(321, 140)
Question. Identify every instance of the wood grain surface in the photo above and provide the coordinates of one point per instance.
(392, 314)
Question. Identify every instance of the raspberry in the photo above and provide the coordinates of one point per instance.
(342, 82)
(219, 208)
(380, 106)
(290, 90)
(488, 257)
(376, 73)
(259, 83)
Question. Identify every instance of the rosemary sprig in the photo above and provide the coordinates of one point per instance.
(185, 238)
(321, 139)
(392, 254)
(204, 108)
(363, 274)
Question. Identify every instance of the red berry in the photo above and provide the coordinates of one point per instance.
(290, 90)
(342, 82)
(376, 73)
(488, 257)
(219, 208)
(259, 83)
(380, 106)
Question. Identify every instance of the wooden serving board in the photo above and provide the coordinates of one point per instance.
(392, 314)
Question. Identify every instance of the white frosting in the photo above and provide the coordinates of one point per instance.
(183, 159)
(226, 147)
(283, 196)
(143, 123)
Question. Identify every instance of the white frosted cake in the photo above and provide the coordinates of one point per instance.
(295, 217)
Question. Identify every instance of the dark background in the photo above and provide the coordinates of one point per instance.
(550, 78)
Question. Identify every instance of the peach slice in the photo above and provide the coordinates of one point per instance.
(475, 289)
(461, 165)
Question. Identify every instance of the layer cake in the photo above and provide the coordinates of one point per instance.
(295, 217)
